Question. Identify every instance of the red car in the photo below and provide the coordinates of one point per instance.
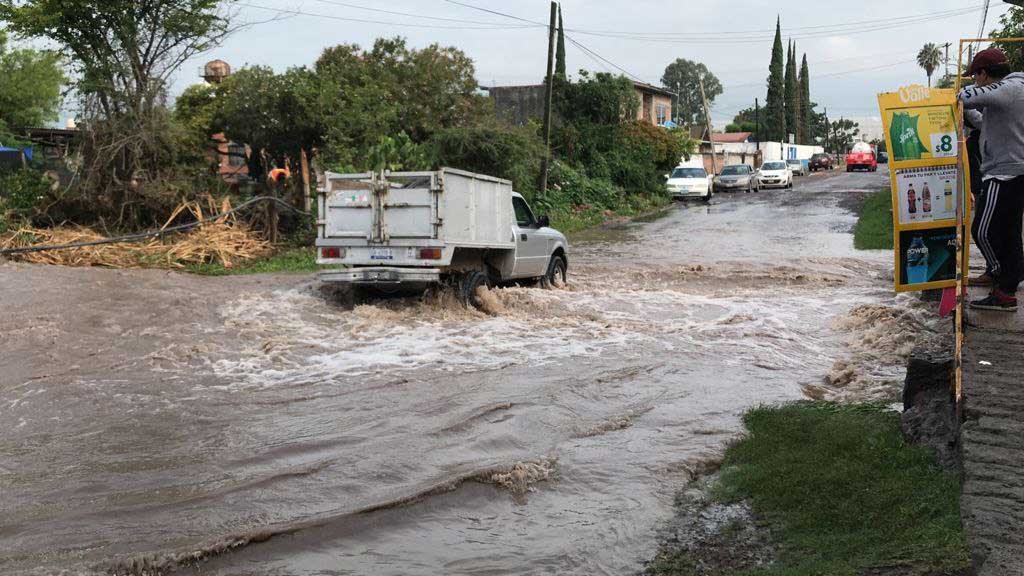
(861, 157)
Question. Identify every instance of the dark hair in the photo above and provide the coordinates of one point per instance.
(998, 70)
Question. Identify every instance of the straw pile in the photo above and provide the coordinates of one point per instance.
(224, 240)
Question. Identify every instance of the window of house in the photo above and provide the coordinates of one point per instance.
(662, 114)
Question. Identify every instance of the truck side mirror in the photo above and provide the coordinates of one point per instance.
(543, 221)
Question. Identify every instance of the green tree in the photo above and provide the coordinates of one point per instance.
(792, 93)
(272, 112)
(599, 99)
(365, 96)
(744, 121)
(30, 90)
(1011, 25)
(844, 133)
(684, 77)
(806, 112)
(775, 103)
(929, 58)
(123, 53)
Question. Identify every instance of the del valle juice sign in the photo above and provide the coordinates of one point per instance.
(922, 138)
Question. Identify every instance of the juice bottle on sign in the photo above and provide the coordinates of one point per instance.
(948, 195)
(926, 199)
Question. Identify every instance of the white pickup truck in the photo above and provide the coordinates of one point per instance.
(390, 229)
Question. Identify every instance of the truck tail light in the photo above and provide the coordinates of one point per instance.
(332, 252)
(430, 254)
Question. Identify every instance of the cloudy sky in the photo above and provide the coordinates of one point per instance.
(855, 49)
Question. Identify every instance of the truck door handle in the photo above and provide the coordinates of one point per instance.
(523, 237)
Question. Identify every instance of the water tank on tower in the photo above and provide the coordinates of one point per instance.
(216, 71)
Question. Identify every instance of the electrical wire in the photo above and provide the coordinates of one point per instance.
(366, 21)
(396, 13)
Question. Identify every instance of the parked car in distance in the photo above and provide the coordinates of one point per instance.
(774, 174)
(861, 157)
(736, 177)
(797, 166)
(820, 162)
(686, 182)
(883, 158)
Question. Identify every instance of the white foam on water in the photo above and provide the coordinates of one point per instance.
(294, 335)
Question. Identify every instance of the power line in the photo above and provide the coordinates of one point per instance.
(734, 36)
(603, 59)
(396, 13)
(386, 23)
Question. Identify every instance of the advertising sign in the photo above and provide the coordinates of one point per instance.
(927, 194)
(922, 138)
(926, 256)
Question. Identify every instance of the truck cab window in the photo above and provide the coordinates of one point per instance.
(524, 217)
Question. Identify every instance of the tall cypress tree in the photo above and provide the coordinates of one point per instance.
(560, 50)
(791, 94)
(775, 103)
(806, 124)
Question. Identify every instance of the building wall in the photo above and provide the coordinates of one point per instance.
(650, 105)
(518, 104)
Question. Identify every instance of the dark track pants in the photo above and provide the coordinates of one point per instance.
(997, 230)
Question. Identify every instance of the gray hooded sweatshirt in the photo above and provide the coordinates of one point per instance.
(1002, 123)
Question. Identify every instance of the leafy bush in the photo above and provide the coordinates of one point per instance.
(21, 194)
(511, 153)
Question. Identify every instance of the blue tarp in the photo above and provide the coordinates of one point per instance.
(26, 151)
(669, 124)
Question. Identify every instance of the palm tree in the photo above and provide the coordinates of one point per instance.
(929, 58)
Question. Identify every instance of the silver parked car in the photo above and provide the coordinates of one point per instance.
(737, 177)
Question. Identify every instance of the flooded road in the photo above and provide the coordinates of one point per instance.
(149, 419)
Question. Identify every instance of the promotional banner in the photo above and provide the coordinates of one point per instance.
(926, 180)
(926, 256)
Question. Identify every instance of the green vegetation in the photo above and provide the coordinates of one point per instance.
(843, 493)
(683, 77)
(874, 225)
(847, 492)
(296, 260)
(775, 103)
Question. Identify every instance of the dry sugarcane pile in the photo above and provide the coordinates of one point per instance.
(223, 240)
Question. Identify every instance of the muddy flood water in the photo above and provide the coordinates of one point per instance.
(149, 419)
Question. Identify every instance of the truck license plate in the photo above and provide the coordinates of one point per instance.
(381, 254)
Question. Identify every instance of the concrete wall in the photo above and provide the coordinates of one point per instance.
(518, 104)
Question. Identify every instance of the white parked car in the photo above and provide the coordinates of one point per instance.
(797, 167)
(775, 174)
(686, 182)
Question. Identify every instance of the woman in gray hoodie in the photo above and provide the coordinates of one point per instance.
(996, 103)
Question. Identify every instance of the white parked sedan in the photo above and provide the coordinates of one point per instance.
(689, 183)
(775, 174)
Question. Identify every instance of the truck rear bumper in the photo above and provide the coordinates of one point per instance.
(381, 275)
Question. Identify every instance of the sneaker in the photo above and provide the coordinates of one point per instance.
(997, 300)
(982, 280)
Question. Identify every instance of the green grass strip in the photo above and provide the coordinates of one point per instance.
(847, 494)
(874, 227)
(298, 260)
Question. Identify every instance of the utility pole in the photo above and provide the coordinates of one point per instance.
(828, 130)
(947, 59)
(707, 124)
(757, 124)
(547, 99)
